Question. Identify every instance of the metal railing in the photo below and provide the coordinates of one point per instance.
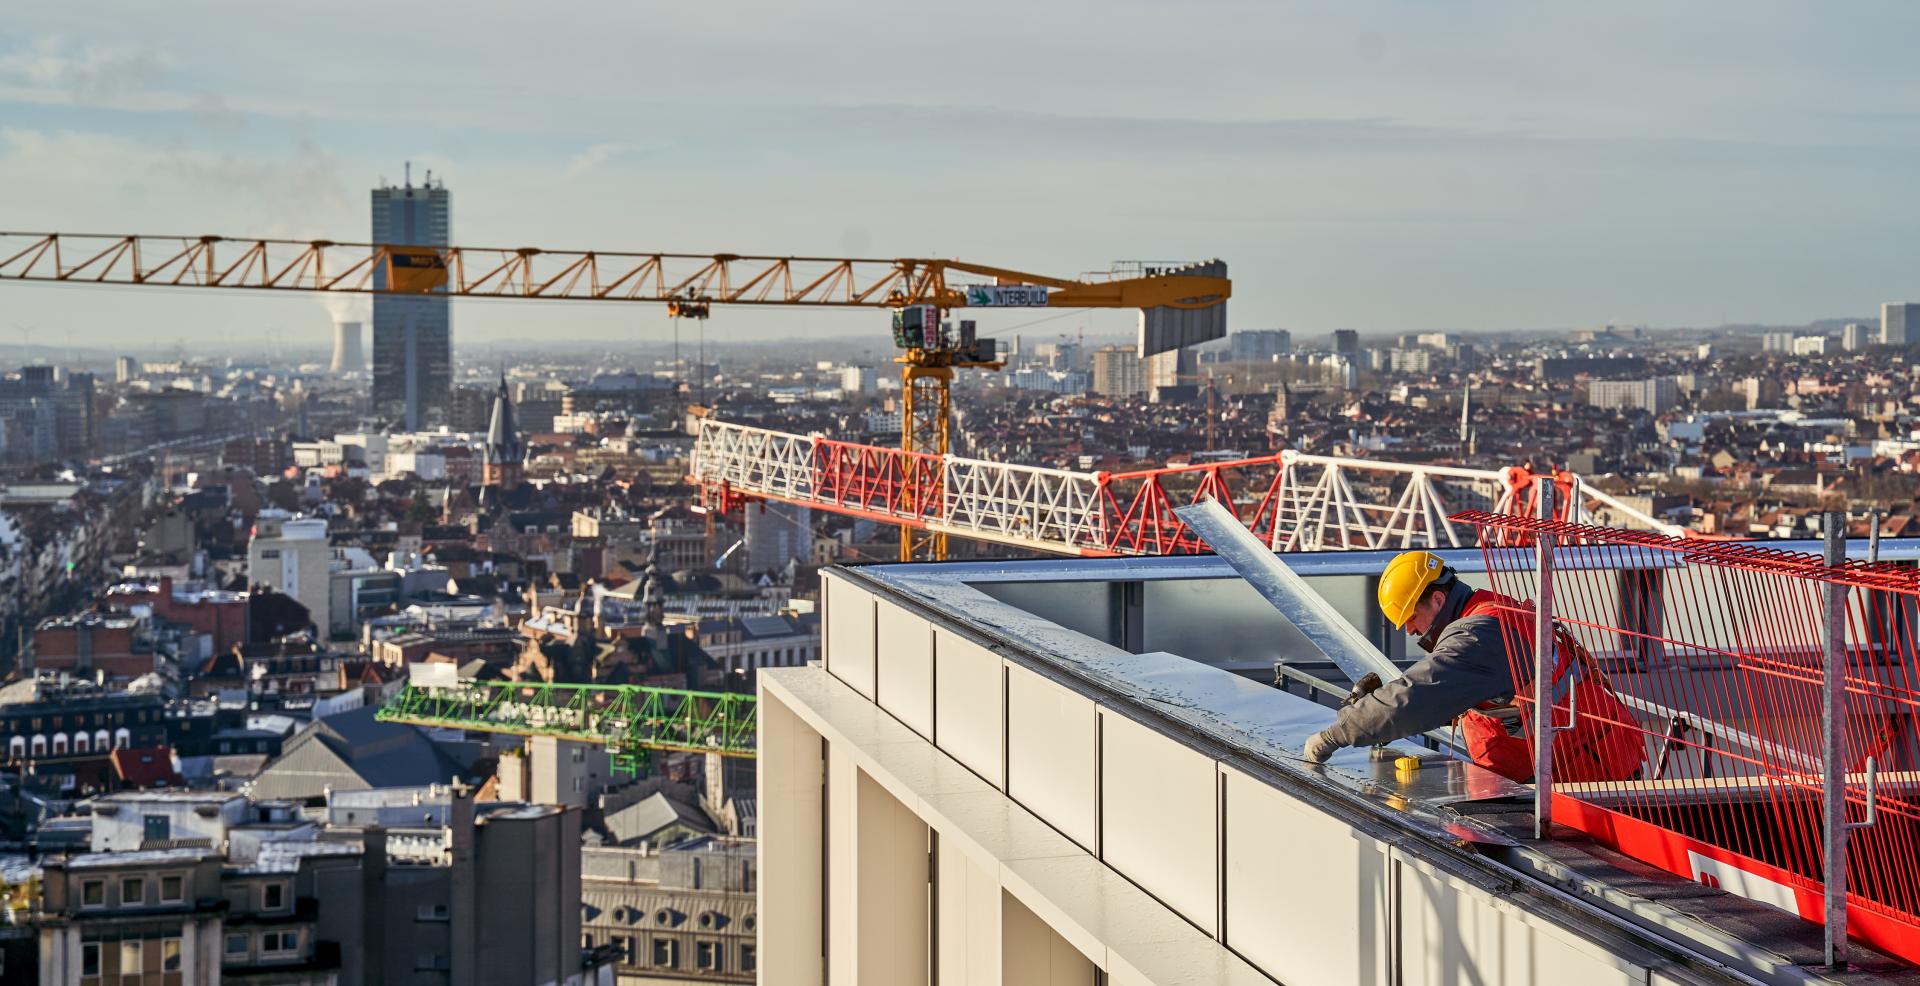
(1773, 696)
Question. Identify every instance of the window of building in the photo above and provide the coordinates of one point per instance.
(236, 944)
(707, 955)
(39, 745)
(579, 754)
(16, 747)
(130, 957)
(273, 896)
(156, 828)
(279, 942)
(169, 955)
(173, 889)
(93, 893)
(630, 952)
(90, 958)
(748, 961)
(431, 912)
(133, 891)
(576, 785)
(79, 742)
(666, 953)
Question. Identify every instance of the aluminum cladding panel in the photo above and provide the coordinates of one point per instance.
(1163, 328)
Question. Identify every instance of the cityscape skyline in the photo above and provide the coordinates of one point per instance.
(1698, 166)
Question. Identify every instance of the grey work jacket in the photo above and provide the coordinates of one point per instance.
(1466, 664)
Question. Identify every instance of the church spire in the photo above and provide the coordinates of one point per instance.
(503, 455)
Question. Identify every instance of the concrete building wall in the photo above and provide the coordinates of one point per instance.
(296, 566)
(563, 772)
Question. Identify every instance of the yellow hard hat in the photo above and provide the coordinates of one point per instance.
(1403, 583)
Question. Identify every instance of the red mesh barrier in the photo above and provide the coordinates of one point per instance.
(1718, 650)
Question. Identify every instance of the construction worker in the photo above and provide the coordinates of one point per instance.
(1467, 665)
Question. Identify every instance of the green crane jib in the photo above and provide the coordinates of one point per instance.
(629, 720)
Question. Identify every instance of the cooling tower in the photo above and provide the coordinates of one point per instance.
(347, 357)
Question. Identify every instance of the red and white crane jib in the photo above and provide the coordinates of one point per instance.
(1295, 501)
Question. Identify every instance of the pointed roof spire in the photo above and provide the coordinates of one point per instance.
(503, 431)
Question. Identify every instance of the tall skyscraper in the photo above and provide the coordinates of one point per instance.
(1346, 341)
(1898, 322)
(412, 337)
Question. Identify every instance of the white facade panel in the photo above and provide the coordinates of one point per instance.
(904, 667)
(1275, 846)
(848, 645)
(1158, 822)
(969, 705)
(1052, 754)
(969, 917)
(788, 893)
(1453, 932)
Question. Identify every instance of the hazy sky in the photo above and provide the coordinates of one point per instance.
(1384, 166)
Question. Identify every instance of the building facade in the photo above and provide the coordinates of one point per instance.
(679, 915)
(1654, 396)
(1898, 320)
(1118, 371)
(1259, 345)
(292, 555)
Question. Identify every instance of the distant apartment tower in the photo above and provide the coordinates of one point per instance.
(1654, 396)
(1346, 342)
(293, 555)
(1776, 342)
(1898, 320)
(1809, 345)
(1410, 361)
(1169, 369)
(1118, 371)
(1259, 345)
(858, 381)
(125, 369)
(412, 336)
(347, 355)
(1855, 337)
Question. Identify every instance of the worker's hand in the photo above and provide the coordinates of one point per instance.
(1361, 689)
(1318, 748)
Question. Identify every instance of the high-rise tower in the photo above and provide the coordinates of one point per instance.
(412, 337)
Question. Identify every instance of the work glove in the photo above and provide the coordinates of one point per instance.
(1361, 689)
(1319, 747)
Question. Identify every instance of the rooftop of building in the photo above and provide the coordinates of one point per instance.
(142, 857)
(1185, 646)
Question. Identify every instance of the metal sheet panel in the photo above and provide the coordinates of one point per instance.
(1286, 590)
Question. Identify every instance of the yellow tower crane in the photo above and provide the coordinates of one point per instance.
(1179, 303)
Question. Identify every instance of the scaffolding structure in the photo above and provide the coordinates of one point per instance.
(629, 720)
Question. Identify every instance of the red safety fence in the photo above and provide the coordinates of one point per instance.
(1717, 651)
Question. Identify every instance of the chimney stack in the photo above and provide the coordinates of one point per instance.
(347, 356)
